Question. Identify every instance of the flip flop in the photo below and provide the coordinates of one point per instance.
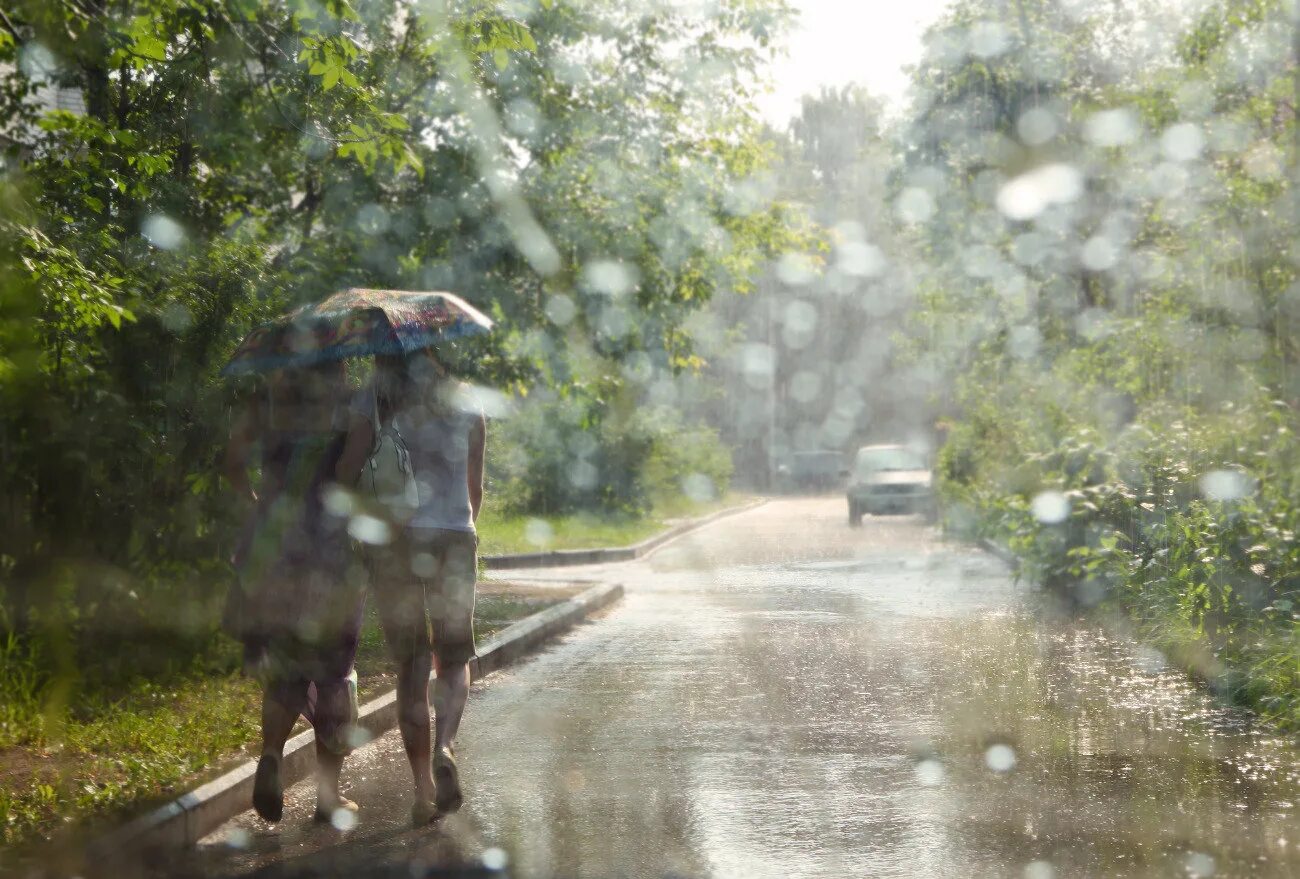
(268, 793)
(325, 815)
(446, 778)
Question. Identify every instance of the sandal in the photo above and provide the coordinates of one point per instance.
(325, 814)
(423, 812)
(446, 779)
(268, 793)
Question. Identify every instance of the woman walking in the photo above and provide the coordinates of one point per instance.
(303, 598)
(424, 579)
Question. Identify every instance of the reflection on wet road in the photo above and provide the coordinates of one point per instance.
(779, 695)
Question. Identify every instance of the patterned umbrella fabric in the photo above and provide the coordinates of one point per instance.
(357, 322)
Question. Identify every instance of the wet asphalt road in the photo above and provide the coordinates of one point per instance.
(780, 695)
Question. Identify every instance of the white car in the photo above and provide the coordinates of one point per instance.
(889, 479)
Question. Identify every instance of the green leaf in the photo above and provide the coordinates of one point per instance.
(331, 78)
(501, 58)
(149, 46)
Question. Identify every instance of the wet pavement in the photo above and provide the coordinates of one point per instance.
(781, 695)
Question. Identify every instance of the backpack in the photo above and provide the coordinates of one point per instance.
(389, 477)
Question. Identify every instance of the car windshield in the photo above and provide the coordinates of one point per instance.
(876, 460)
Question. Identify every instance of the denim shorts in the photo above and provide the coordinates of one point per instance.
(423, 584)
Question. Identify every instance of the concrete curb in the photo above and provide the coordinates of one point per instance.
(563, 557)
(192, 816)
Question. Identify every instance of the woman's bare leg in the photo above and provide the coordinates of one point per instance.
(281, 704)
(413, 720)
(450, 693)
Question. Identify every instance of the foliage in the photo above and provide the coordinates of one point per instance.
(1109, 290)
(177, 171)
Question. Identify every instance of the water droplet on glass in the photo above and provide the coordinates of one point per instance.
(1000, 758)
(795, 269)
(609, 277)
(929, 773)
(1023, 342)
(539, 533)
(1112, 128)
(423, 564)
(1028, 195)
(1037, 126)
(805, 386)
(37, 62)
(338, 501)
(699, 488)
(915, 205)
(1199, 865)
(1039, 870)
(989, 39)
(1226, 485)
(370, 530)
(494, 859)
(560, 309)
(1182, 142)
(177, 317)
(1149, 660)
(163, 232)
(343, 820)
(1050, 507)
(357, 736)
(860, 259)
(583, 475)
(1099, 254)
(372, 220)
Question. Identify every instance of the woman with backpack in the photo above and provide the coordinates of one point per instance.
(301, 593)
(423, 578)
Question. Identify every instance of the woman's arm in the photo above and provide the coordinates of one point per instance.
(477, 452)
(356, 449)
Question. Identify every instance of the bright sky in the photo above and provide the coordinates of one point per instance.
(835, 42)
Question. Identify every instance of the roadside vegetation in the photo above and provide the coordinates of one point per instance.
(1105, 220)
(173, 172)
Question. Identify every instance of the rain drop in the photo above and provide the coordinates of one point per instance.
(915, 205)
(1226, 485)
(561, 309)
(929, 773)
(370, 530)
(1182, 143)
(163, 232)
(539, 533)
(1000, 758)
(1050, 507)
(1112, 128)
(494, 859)
(343, 820)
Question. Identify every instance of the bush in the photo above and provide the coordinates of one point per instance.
(568, 455)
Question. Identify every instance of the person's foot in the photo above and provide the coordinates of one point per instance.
(325, 810)
(423, 812)
(446, 779)
(268, 793)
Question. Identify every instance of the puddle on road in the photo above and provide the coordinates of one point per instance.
(1060, 746)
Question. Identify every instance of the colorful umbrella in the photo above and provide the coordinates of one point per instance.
(357, 323)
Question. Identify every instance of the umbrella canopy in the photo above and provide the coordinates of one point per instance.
(357, 322)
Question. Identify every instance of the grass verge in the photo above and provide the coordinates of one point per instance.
(114, 756)
(504, 534)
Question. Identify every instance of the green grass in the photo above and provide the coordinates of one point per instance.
(502, 534)
(152, 739)
(152, 715)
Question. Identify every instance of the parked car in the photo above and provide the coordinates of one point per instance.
(889, 479)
